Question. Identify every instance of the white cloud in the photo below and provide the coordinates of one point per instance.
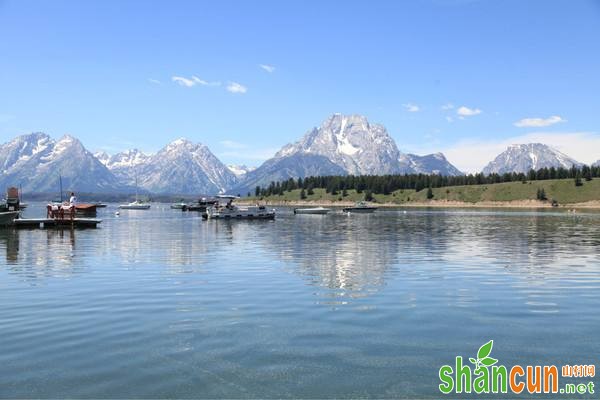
(464, 111)
(155, 81)
(448, 106)
(539, 122)
(449, 119)
(235, 87)
(193, 81)
(269, 68)
(473, 155)
(411, 107)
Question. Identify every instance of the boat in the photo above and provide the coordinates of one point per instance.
(312, 210)
(100, 205)
(360, 207)
(201, 205)
(178, 206)
(7, 218)
(85, 208)
(135, 205)
(12, 202)
(231, 211)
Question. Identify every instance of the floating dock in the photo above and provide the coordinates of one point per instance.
(43, 223)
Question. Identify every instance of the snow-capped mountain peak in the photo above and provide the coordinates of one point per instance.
(522, 158)
(351, 142)
(240, 170)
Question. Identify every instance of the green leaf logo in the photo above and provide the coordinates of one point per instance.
(485, 350)
(483, 360)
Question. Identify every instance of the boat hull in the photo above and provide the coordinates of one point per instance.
(8, 218)
(360, 210)
(134, 207)
(317, 210)
(230, 217)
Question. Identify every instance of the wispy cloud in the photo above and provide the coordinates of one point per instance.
(269, 68)
(235, 87)
(447, 106)
(464, 111)
(155, 81)
(193, 81)
(539, 122)
(472, 155)
(411, 107)
(232, 144)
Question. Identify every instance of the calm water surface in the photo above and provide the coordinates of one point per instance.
(159, 303)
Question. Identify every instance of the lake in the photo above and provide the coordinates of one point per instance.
(160, 303)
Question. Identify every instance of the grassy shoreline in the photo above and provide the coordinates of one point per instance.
(500, 195)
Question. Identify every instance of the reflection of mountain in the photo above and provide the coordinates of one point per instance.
(336, 252)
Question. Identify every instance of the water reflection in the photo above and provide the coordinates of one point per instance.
(35, 254)
(341, 254)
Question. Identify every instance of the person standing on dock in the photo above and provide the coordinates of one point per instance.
(73, 200)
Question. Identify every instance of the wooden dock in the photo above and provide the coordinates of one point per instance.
(43, 223)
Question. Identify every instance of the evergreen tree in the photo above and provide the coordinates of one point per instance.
(578, 179)
(302, 194)
(368, 195)
(429, 193)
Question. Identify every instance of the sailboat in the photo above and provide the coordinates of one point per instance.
(137, 204)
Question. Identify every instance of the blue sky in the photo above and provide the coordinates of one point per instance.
(246, 77)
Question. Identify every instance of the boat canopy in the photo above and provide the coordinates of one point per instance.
(226, 196)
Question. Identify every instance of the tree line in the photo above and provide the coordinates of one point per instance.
(386, 184)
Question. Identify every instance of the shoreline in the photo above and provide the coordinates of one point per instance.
(523, 204)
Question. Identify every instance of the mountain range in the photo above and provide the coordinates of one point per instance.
(341, 145)
(525, 157)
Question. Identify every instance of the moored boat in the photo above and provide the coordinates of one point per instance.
(231, 211)
(178, 206)
(7, 218)
(201, 205)
(135, 205)
(86, 208)
(360, 207)
(312, 210)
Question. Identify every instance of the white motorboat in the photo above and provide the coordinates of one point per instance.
(135, 205)
(232, 211)
(360, 207)
(7, 218)
(179, 206)
(312, 210)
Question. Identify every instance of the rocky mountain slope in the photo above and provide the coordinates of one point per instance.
(525, 157)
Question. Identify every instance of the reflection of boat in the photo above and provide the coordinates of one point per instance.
(232, 211)
(312, 210)
(360, 207)
(8, 217)
(135, 205)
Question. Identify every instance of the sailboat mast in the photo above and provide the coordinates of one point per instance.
(61, 189)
